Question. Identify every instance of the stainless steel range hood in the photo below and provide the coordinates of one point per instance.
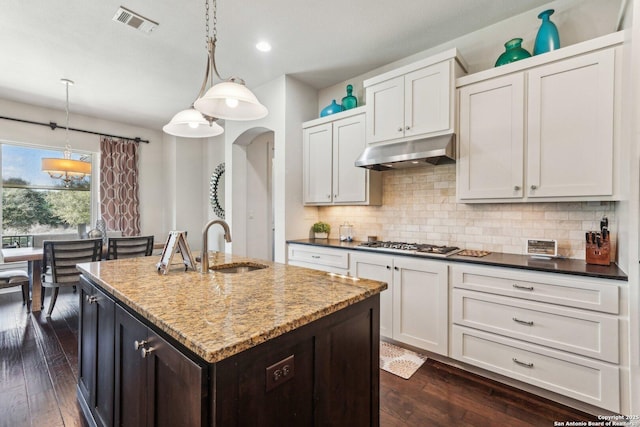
(436, 150)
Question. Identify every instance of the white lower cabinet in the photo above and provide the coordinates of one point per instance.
(319, 258)
(576, 331)
(581, 378)
(377, 267)
(558, 332)
(415, 308)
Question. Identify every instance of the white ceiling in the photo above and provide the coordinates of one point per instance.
(143, 79)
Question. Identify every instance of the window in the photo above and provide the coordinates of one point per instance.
(35, 203)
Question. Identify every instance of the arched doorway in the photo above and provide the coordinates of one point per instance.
(253, 202)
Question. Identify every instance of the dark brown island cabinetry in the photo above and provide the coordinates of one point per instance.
(324, 373)
(96, 352)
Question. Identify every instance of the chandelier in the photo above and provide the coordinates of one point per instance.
(66, 168)
(228, 100)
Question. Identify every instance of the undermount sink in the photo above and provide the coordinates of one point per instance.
(239, 267)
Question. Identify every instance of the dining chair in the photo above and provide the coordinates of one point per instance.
(129, 247)
(11, 278)
(59, 264)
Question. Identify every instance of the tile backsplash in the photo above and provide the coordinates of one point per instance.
(419, 205)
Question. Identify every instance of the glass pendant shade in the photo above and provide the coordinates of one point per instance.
(191, 124)
(231, 101)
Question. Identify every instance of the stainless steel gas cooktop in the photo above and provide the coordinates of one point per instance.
(410, 248)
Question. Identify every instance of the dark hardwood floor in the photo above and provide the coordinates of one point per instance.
(38, 372)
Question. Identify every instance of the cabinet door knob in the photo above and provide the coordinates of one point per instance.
(335, 196)
(388, 267)
(329, 196)
(400, 129)
(396, 268)
(407, 128)
(92, 299)
(139, 344)
(516, 187)
(534, 187)
(146, 351)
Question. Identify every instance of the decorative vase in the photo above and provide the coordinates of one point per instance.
(82, 231)
(547, 38)
(349, 101)
(331, 109)
(513, 52)
(101, 226)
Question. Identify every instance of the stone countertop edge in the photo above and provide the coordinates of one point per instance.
(571, 266)
(218, 315)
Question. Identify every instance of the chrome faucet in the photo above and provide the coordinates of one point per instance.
(204, 256)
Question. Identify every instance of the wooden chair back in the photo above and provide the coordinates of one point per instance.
(129, 247)
(61, 256)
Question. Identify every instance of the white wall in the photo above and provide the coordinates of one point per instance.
(289, 103)
(629, 209)
(152, 201)
(214, 155)
(298, 220)
(577, 20)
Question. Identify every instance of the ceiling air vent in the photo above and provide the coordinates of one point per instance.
(134, 20)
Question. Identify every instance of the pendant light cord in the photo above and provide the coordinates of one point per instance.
(67, 146)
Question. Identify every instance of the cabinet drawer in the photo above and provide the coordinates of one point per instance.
(571, 291)
(587, 380)
(578, 331)
(319, 256)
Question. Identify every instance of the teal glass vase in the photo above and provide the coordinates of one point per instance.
(513, 52)
(349, 101)
(331, 109)
(547, 38)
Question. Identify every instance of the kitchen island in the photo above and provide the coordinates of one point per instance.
(280, 345)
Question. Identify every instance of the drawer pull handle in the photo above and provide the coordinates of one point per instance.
(524, 288)
(315, 256)
(526, 365)
(523, 322)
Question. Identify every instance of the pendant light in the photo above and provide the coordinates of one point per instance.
(191, 123)
(66, 169)
(230, 99)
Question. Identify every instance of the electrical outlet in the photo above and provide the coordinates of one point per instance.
(280, 372)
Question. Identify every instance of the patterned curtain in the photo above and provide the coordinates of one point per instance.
(119, 202)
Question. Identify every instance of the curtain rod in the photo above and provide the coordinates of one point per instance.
(54, 126)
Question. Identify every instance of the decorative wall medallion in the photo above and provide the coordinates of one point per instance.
(216, 191)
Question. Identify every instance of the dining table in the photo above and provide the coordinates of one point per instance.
(33, 256)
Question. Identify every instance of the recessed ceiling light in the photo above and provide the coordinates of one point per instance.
(263, 46)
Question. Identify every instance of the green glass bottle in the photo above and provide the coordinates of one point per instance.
(349, 101)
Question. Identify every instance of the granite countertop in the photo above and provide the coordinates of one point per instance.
(555, 265)
(217, 315)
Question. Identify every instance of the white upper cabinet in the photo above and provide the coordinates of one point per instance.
(570, 109)
(491, 148)
(413, 101)
(542, 129)
(317, 163)
(331, 146)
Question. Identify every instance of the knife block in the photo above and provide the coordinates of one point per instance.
(598, 255)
